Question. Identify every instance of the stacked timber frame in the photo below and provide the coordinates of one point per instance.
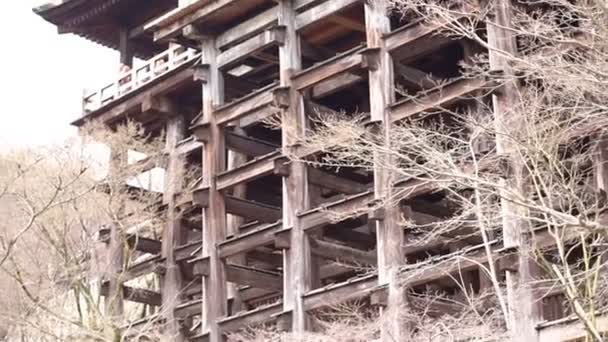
(256, 240)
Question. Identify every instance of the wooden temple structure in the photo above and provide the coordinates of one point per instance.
(255, 240)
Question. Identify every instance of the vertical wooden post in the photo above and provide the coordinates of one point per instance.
(234, 222)
(214, 217)
(124, 48)
(297, 259)
(173, 234)
(524, 304)
(601, 165)
(113, 301)
(390, 236)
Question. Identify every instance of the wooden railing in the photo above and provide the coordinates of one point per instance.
(134, 79)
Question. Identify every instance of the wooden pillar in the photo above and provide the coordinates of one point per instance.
(214, 216)
(234, 222)
(297, 277)
(601, 165)
(524, 304)
(124, 48)
(390, 236)
(113, 301)
(174, 234)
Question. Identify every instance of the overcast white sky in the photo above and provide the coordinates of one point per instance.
(43, 74)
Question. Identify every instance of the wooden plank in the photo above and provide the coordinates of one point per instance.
(350, 207)
(342, 253)
(257, 278)
(322, 11)
(253, 102)
(417, 38)
(244, 319)
(247, 145)
(254, 169)
(248, 28)
(145, 245)
(249, 241)
(437, 98)
(135, 295)
(171, 24)
(188, 145)
(231, 57)
(339, 293)
(331, 181)
(149, 265)
(252, 210)
(333, 67)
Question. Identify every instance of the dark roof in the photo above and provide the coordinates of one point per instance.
(101, 20)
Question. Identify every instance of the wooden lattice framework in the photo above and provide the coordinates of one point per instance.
(253, 241)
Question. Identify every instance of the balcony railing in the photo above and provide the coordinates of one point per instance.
(154, 68)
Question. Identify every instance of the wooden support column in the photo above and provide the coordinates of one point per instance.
(174, 234)
(523, 303)
(297, 278)
(390, 237)
(601, 165)
(235, 160)
(214, 216)
(125, 49)
(113, 300)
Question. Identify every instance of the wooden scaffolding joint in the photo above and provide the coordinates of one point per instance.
(201, 72)
(376, 212)
(200, 197)
(508, 259)
(371, 58)
(282, 239)
(379, 297)
(284, 320)
(282, 167)
(202, 132)
(281, 97)
(200, 266)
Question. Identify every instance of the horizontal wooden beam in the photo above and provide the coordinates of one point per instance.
(331, 181)
(322, 11)
(342, 253)
(339, 293)
(247, 145)
(135, 241)
(262, 279)
(272, 37)
(437, 98)
(252, 170)
(252, 210)
(242, 275)
(171, 24)
(349, 207)
(247, 28)
(256, 101)
(188, 146)
(135, 295)
(149, 265)
(246, 242)
(259, 315)
(333, 67)
(417, 38)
